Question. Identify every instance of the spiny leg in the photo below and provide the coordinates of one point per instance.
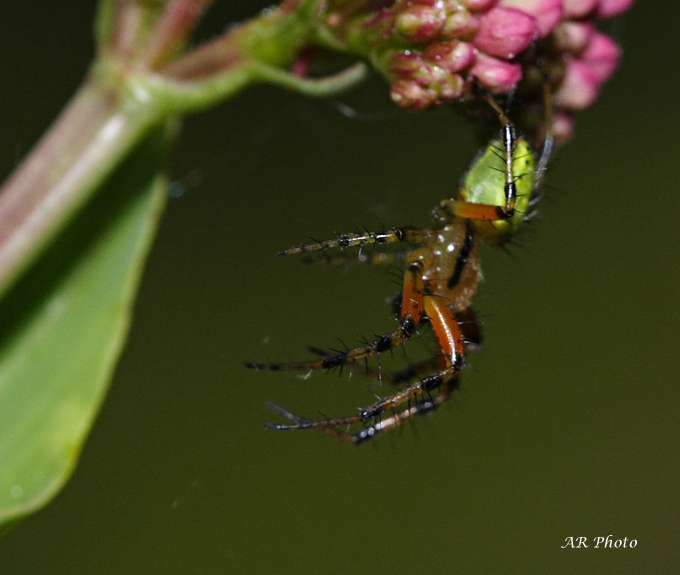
(508, 140)
(339, 358)
(419, 393)
(472, 339)
(431, 403)
(370, 431)
(451, 343)
(411, 314)
(549, 139)
(405, 234)
(522, 174)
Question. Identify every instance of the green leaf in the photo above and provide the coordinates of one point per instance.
(62, 328)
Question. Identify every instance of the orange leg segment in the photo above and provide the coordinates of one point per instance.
(446, 328)
(412, 300)
(481, 212)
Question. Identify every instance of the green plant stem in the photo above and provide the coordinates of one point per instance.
(83, 146)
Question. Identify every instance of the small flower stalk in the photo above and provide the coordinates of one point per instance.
(434, 51)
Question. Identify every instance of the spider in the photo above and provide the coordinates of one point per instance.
(442, 271)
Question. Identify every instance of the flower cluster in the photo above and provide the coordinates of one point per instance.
(431, 50)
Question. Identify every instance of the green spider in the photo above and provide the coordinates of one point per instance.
(442, 272)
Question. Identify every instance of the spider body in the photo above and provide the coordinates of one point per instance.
(442, 272)
(485, 185)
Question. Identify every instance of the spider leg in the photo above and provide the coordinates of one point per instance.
(396, 419)
(549, 140)
(506, 151)
(391, 235)
(334, 426)
(411, 314)
(508, 139)
(340, 358)
(303, 423)
(451, 343)
(472, 337)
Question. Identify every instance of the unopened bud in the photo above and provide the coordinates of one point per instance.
(547, 13)
(451, 55)
(496, 75)
(579, 88)
(563, 127)
(449, 87)
(411, 95)
(421, 22)
(573, 37)
(578, 8)
(478, 5)
(602, 55)
(460, 24)
(505, 32)
(610, 8)
(431, 50)
(405, 63)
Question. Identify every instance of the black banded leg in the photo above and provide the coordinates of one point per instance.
(387, 236)
(342, 427)
(340, 358)
(410, 316)
(422, 407)
(418, 396)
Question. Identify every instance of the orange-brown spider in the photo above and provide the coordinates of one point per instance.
(442, 272)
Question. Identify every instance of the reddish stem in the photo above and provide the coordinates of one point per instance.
(84, 144)
(127, 22)
(171, 30)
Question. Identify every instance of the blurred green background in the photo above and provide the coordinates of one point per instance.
(566, 424)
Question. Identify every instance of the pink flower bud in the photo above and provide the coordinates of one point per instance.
(449, 87)
(602, 55)
(610, 8)
(573, 37)
(478, 5)
(451, 55)
(411, 95)
(430, 50)
(405, 63)
(505, 32)
(547, 13)
(563, 127)
(430, 75)
(496, 75)
(421, 22)
(460, 24)
(579, 88)
(578, 8)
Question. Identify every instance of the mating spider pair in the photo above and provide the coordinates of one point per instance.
(442, 271)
